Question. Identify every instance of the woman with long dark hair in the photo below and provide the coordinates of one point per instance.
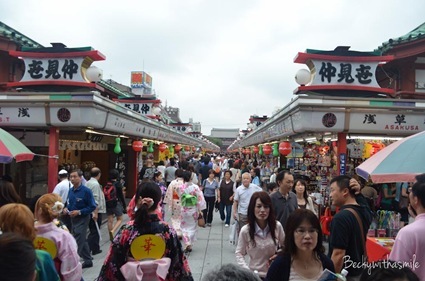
(303, 255)
(262, 237)
(304, 201)
(128, 255)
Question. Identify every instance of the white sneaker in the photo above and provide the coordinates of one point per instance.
(226, 225)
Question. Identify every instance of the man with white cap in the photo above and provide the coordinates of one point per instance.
(62, 188)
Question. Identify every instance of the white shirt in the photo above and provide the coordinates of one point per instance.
(98, 195)
(243, 195)
(62, 189)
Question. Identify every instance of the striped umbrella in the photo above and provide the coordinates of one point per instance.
(399, 162)
(11, 148)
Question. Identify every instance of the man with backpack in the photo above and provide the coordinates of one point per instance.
(115, 202)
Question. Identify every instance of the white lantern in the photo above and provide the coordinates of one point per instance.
(94, 74)
(303, 77)
(156, 110)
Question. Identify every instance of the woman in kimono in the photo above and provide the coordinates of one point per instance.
(192, 202)
(172, 200)
(146, 246)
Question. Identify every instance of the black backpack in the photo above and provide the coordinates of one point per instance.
(110, 193)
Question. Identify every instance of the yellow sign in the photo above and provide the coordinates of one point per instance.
(45, 244)
(147, 247)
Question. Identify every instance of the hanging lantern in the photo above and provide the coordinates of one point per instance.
(285, 148)
(117, 148)
(267, 149)
(256, 149)
(171, 149)
(261, 152)
(150, 147)
(245, 151)
(275, 150)
(162, 147)
(177, 148)
(137, 145)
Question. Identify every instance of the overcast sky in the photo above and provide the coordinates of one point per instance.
(218, 61)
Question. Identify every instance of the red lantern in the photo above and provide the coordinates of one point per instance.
(285, 148)
(137, 146)
(245, 151)
(255, 149)
(162, 147)
(267, 149)
(177, 148)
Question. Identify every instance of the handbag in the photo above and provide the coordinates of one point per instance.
(325, 221)
(201, 220)
(233, 235)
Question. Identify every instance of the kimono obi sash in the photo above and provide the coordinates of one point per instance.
(188, 200)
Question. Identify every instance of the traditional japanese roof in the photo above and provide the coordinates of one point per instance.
(17, 37)
(414, 35)
(110, 87)
(343, 51)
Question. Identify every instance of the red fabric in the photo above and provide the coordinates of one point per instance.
(376, 251)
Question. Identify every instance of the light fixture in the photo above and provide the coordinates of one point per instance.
(303, 77)
(310, 139)
(94, 74)
(298, 140)
(156, 110)
(352, 137)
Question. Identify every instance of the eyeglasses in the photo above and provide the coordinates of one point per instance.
(303, 231)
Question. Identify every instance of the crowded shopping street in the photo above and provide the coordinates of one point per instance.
(180, 141)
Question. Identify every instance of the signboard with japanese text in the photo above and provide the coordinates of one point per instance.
(64, 116)
(342, 162)
(317, 121)
(348, 73)
(141, 108)
(396, 123)
(22, 115)
(141, 83)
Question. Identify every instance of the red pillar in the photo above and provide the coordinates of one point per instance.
(52, 164)
(342, 150)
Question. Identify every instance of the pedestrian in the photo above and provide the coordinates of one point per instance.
(17, 257)
(62, 188)
(349, 227)
(410, 240)
(192, 202)
(211, 193)
(241, 199)
(255, 174)
(284, 200)
(302, 257)
(147, 172)
(159, 181)
(303, 200)
(10, 215)
(8, 193)
(230, 272)
(172, 200)
(170, 172)
(119, 207)
(67, 261)
(123, 256)
(96, 221)
(80, 206)
(226, 191)
(262, 237)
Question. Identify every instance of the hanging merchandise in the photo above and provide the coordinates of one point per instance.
(150, 147)
(261, 152)
(117, 148)
(275, 150)
(171, 149)
(256, 149)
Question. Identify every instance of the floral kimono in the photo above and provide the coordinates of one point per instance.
(172, 200)
(120, 253)
(192, 201)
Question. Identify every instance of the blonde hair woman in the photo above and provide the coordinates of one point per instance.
(67, 260)
(12, 213)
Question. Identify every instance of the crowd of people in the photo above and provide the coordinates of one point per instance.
(280, 236)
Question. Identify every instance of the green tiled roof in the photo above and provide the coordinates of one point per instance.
(121, 94)
(415, 34)
(17, 37)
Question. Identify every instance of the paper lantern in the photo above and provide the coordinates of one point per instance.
(267, 149)
(245, 151)
(117, 148)
(275, 150)
(177, 148)
(256, 149)
(285, 148)
(162, 147)
(261, 152)
(137, 146)
(94, 74)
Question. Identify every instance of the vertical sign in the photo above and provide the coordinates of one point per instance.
(342, 160)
